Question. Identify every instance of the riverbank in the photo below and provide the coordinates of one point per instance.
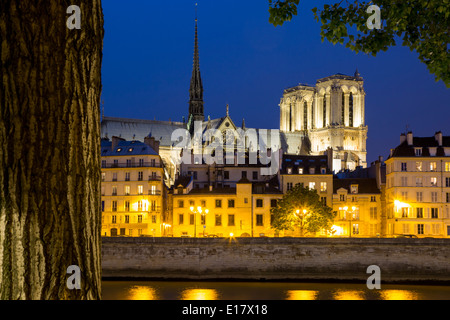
(277, 259)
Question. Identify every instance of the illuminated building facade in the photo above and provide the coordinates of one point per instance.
(328, 115)
(133, 192)
(358, 203)
(418, 186)
(310, 171)
(240, 211)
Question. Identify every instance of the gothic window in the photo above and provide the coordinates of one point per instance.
(343, 109)
(305, 116)
(324, 111)
(350, 109)
(313, 123)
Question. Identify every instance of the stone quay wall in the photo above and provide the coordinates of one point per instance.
(400, 260)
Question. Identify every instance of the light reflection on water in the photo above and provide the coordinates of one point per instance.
(168, 290)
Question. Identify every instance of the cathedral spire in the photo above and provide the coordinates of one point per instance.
(196, 112)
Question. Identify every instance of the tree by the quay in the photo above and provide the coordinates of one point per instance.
(50, 216)
(420, 25)
(301, 208)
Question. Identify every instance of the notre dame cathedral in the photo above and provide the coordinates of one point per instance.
(314, 120)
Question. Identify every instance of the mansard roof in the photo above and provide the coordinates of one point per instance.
(365, 185)
(126, 148)
(306, 162)
(405, 150)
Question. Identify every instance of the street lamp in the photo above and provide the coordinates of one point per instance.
(350, 219)
(203, 213)
(301, 215)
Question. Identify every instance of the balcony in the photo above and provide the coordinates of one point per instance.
(154, 178)
(154, 192)
(131, 165)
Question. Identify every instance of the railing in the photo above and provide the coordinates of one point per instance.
(132, 165)
(154, 192)
(155, 178)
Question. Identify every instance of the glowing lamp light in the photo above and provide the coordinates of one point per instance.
(231, 235)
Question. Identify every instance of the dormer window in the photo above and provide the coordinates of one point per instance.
(130, 150)
(418, 152)
(312, 170)
(323, 170)
(300, 170)
(289, 170)
(354, 189)
(119, 149)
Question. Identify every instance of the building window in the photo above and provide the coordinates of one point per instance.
(195, 175)
(305, 116)
(404, 195)
(113, 219)
(355, 228)
(140, 176)
(203, 219)
(419, 196)
(180, 204)
(419, 212)
(127, 190)
(153, 205)
(128, 163)
(114, 176)
(114, 206)
(447, 167)
(140, 205)
(273, 203)
(419, 182)
(141, 162)
(226, 175)
(218, 203)
(259, 220)
(434, 197)
(289, 186)
(218, 219)
(127, 176)
(259, 203)
(245, 200)
(373, 199)
(342, 197)
(114, 190)
(354, 189)
(115, 163)
(140, 190)
(420, 228)
(312, 185)
(434, 213)
(255, 175)
(432, 166)
(324, 107)
(103, 176)
(448, 197)
(191, 219)
(418, 152)
(447, 182)
(203, 202)
(127, 206)
(300, 170)
(191, 203)
(103, 163)
(230, 203)
(404, 181)
(127, 219)
(231, 220)
(324, 200)
(419, 166)
(139, 218)
(312, 170)
(153, 218)
(433, 181)
(244, 174)
(373, 213)
(404, 167)
(323, 187)
(180, 218)
(103, 206)
(405, 212)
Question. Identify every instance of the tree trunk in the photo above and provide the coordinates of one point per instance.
(50, 90)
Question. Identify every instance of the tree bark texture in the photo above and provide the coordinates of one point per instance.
(50, 214)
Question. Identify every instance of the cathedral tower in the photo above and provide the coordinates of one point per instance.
(332, 115)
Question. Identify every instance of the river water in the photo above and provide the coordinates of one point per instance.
(170, 290)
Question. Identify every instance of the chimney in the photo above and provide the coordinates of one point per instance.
(115, 142)
(438, 137)
(150, 141)
(409, 138)
(402, 138)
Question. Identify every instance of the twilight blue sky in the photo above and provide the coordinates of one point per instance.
(247, 62)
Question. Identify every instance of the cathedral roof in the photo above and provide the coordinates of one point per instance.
(134, 129)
